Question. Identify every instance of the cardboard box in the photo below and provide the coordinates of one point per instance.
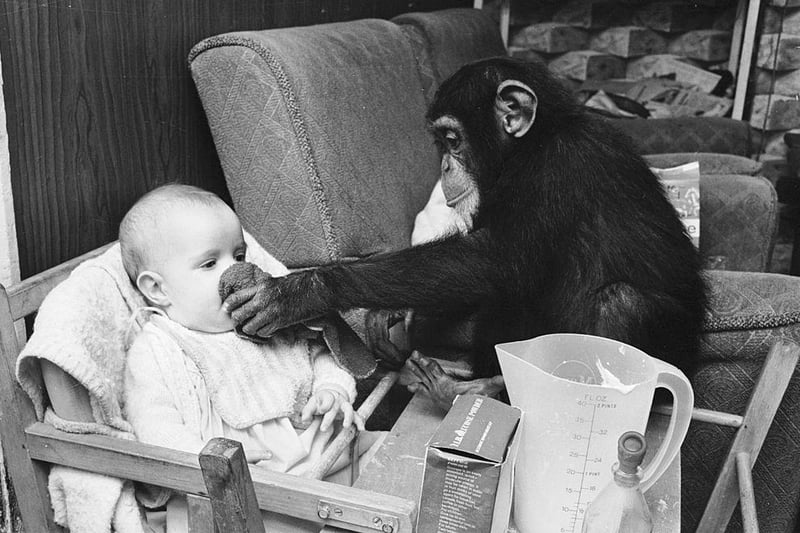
(468, 476)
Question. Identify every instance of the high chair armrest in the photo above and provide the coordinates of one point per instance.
(180, 471)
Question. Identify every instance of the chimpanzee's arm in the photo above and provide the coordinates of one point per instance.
(450, 274)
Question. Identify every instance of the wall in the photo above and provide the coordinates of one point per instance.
(9, 260)
(101, 107)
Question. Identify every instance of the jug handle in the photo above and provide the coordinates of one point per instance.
(677, 383)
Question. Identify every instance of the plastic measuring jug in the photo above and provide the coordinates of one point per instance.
(579, 393)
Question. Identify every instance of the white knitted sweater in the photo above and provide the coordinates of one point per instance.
(247, 383)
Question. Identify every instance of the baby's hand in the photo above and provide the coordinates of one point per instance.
(330, 403)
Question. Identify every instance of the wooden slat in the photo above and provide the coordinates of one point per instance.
(201, 517)
(705, 415)
(27, 296)
(346, 435)
(281, 493)
(229, 487)
(29, 480)
(736, 37)
(779, 367)
(747, 496)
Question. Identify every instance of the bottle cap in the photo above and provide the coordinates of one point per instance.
(630, 450)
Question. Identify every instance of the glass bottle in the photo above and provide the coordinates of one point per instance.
(620, 507)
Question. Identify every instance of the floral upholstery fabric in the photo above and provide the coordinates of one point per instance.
(688, 134)
(738, 222)
(710, 163)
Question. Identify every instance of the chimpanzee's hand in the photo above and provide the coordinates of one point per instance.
(442, 387)
(261, 304)
(377, 323)
(255, 308)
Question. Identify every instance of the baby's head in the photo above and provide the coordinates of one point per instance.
(176, 241)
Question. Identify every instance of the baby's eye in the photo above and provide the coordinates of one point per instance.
(239, 257)
(208, 265)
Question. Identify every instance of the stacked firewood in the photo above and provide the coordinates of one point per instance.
(687, 44)
(775, 108)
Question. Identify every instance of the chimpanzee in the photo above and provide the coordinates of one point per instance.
(572, 233)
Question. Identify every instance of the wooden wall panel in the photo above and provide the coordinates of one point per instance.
(101, 106)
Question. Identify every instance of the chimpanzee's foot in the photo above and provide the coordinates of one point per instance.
(442, 387)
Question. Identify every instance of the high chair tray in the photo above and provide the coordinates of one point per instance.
(396, 469)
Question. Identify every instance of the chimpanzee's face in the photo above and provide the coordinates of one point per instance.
(457, 172)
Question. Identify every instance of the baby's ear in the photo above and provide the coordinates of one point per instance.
(151, 286)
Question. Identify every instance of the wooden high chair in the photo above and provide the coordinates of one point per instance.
(735, 483)
(30, 447)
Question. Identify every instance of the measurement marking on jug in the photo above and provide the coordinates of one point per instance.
(574, 521)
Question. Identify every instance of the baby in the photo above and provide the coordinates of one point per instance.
(188, 376)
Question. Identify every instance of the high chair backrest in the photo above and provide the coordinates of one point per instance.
(29, 479)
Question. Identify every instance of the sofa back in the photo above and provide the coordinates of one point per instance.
(321, 134)
(446, 40)
(321, 130)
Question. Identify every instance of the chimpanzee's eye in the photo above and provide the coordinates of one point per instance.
(453, 141)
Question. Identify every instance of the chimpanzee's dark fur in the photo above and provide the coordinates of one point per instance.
(573, 234)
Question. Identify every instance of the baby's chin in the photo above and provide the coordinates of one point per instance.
(222, 326)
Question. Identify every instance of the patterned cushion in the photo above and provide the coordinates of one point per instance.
(710, 163)
(321, 134)
(749, 312)
(688, 134)
(454, 37)
(738, 222)
(419, 44)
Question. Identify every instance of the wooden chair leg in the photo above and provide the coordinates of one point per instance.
(227, 478)
(201, 515)
(778, 369)
(747, 496)
(343, 439)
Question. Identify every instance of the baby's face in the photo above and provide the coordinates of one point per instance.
(200, 243)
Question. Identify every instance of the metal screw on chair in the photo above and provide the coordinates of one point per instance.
(324, 512)
(377, 521)
(387, 528)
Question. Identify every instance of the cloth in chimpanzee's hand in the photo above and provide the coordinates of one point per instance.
(345, 345)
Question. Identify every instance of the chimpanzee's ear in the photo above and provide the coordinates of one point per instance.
(515, 107)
